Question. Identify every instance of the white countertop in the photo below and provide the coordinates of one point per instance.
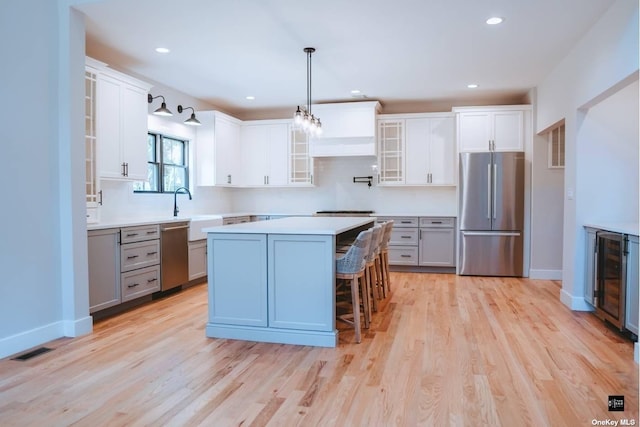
(617, 227)
(295, 225)
(132, 222)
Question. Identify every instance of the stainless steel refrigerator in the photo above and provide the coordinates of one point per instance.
(491, 213)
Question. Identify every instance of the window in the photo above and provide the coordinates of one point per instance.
(167, 167)
(556, 147)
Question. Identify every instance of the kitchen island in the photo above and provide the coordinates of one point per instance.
(274, 281)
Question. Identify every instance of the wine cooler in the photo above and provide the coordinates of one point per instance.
(610, 269)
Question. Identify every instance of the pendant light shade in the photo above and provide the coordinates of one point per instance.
(303, 117)
(163, 110)
(191, 121)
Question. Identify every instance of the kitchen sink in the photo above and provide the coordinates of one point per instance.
(198, 222)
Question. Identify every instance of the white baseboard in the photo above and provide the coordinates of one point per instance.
(574, 303)
(545, 274)
(25, 340)
(78, 327)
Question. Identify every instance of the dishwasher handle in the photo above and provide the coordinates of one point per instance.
(178, 227)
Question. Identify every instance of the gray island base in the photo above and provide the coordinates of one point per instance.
(274, 281)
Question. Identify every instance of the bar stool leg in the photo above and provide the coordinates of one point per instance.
(373, 287)
(356, 307)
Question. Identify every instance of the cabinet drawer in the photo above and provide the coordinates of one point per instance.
(140, 254)
(140, 282)
(404, 236)
(403, 255)
(432, 222)
(236, 220)
(404, 221)
(139, 234)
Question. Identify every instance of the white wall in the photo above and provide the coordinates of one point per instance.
(608, 158)
(547, 210)
(44, 291)
(335, 189)
(603, 61)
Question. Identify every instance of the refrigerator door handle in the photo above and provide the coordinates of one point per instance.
(489, 191)
(495, 190)
(490, 233)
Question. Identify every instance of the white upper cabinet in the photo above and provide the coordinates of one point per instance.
(121, 126)
(348, 129)
(92, 183)
(265, 153)
(391, 151)
(300, 163)
(255, 153)
(491, 129)
(417, 149)
(218, 150)
(430, 150)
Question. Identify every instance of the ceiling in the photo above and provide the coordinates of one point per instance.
(402, 53)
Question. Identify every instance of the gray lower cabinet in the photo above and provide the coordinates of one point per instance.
(197, 259)
(140, 282)
(124, 264)
(631, 316)
(403, 244)
(437, 242)
(422, 241)
(139, 261)
(104, 268)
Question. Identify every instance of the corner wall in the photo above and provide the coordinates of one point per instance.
(603, 61)
(44, 292)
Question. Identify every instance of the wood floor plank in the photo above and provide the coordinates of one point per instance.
(441, 350)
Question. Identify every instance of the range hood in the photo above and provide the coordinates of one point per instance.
(349, 129)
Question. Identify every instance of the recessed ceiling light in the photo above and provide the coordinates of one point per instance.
(495, 20)
(250, 97)
(472, 86)
(355, 92)
(162, 50)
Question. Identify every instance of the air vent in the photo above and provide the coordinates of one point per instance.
(32, 354)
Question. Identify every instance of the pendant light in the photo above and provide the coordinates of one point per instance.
(163, 110)
(303, 117)
(191, 121)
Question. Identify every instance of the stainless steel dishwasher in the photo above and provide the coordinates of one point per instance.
(174, 252)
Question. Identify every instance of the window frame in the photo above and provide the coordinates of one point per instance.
(160, 163)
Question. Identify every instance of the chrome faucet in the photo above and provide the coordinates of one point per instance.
(175, 196)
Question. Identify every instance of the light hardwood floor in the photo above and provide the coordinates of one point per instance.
(442, 350)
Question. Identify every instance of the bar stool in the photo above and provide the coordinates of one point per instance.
(350, 266)
(384, 258)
